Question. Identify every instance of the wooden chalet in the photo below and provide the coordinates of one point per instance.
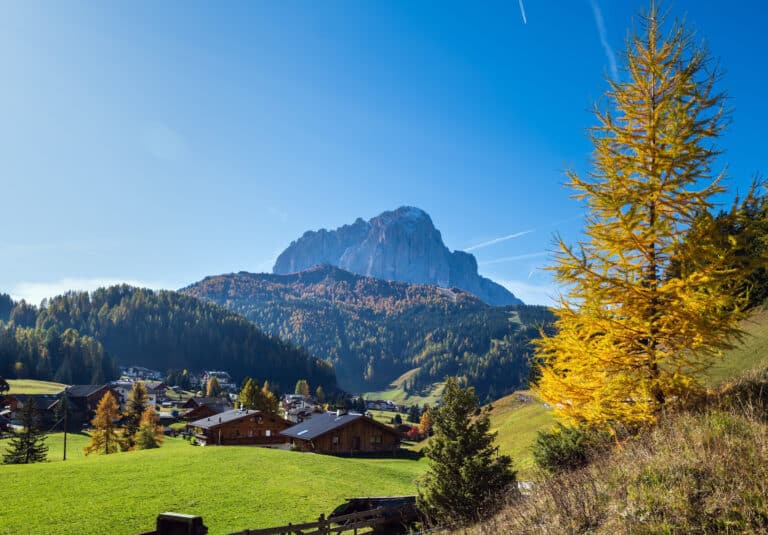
(45, 404)
(193, 402)
(240, 427)
(83, 399)
(346, 434)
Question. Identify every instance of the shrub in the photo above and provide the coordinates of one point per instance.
(566, 448)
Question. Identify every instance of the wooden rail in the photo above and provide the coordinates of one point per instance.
(353, 522)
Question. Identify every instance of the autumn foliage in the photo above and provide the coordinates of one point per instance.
(634, 334)
(104, 436)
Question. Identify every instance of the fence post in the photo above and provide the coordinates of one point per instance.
(323, 527)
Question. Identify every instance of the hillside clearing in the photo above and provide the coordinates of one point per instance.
(397, 394)
(32, 386)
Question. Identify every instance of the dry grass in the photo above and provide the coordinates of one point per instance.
(695, 472)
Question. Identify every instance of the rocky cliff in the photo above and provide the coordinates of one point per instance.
(401, 245)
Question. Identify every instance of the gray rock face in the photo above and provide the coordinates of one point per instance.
(401, 245)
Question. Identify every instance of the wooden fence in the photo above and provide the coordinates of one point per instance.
(354, 523)
(379, 520)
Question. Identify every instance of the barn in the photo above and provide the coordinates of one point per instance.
(240, 427)
(345, 434)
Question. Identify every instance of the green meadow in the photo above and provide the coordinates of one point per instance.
(232, 488)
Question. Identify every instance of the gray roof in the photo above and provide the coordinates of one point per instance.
(226, 417)
(83, 391)
(321, 424)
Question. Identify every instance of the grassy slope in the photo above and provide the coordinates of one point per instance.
(397, 394)
(31, 386)
(517, 419)
(233, 488)
(518, 423)
(751, 353)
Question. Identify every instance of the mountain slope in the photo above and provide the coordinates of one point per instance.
(164, 330)
(374, 330)
(401, 245)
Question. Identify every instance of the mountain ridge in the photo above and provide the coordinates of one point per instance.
(374, 330)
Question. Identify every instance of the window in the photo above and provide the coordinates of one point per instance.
(376, 439)
(335, 440)
(269, 432)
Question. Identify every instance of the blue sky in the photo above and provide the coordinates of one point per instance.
(160, 142)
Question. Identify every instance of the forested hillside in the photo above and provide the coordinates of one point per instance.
(161, 330)
(374, 330)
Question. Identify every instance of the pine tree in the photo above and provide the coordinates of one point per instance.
(467, 478)
(414, 414)
(630, 340)
(149, 434)
(29, 445)
(135, 407)
(104, 437)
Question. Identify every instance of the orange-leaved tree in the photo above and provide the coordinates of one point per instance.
(633, 335)
(104, 437)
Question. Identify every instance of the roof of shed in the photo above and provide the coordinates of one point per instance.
(229, 416)
(321, 424)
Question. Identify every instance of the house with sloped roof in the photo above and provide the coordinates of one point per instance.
(343, 434)
(45, 404)
(206, 409)
(240, 427)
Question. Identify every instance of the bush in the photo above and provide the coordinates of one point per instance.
(566, 448)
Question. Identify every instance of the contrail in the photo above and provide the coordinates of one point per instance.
(604, 39)
(514, 258)
(522, 11)
(497, 240)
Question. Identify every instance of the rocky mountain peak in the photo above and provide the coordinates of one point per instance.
(401, 245)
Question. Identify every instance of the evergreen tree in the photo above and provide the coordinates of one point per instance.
(29, 445)
(104, 437)
(149, 434)
(467, 478)
(414, 414)
(213, 388)
(630, 340)
(135, 407)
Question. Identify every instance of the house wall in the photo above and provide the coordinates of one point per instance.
(360, 436)
(248, 430)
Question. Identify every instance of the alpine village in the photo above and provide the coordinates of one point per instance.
(374, 381)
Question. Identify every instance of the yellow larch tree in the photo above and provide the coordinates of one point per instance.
(632, 334)
(104, 437)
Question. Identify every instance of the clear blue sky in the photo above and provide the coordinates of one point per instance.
(159, 142)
